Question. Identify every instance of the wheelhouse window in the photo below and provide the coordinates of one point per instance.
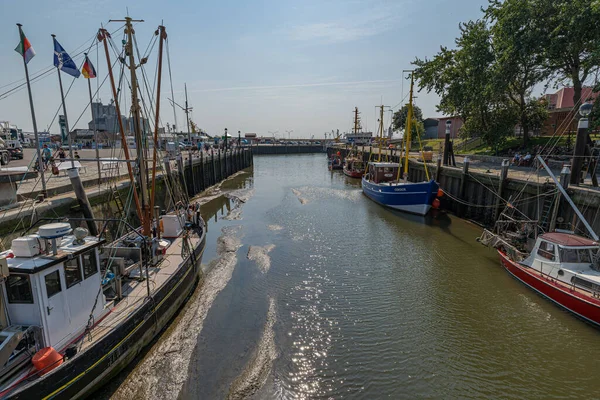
(90, 266)
(18, 289)
(53, 285)
(72, 272)
(575, 255)
(546, 251)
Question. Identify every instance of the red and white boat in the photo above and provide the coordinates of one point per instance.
(564, 268)
(354, 167)
(561, 266)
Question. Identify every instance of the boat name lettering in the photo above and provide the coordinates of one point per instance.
(400, 190)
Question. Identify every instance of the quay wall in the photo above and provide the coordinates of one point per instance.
(479, 196)
(198, 175)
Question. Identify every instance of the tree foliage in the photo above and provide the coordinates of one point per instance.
(417, 126)
(489, 76)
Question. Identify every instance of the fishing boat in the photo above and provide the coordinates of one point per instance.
(75, 308)
(353, 163)
(335, 161)
(383, 183)
(354, 166)
(561, 266)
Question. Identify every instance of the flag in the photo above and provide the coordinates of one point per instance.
(88, 70)
(63, 61)
(24, 47)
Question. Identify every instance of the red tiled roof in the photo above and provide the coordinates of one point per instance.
(568, 239)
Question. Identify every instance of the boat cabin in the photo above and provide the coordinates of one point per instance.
(567, 257)
(50, 290)
(382, 172)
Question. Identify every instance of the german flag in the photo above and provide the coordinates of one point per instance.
(88, 70)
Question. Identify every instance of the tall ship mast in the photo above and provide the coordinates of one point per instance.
(95, 308)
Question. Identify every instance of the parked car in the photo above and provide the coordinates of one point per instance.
(16, 153)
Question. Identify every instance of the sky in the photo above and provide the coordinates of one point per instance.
(250, 66)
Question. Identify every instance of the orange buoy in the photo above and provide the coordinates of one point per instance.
(46, 360)
(440, 193)
(436, 203)
(339, 154)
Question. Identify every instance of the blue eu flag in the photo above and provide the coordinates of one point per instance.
(63, 61)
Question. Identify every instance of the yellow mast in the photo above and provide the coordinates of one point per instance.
(407, 129)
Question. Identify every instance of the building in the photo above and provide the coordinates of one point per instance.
(105, 120)
(456, 124)
(562, 115)
(431, 128)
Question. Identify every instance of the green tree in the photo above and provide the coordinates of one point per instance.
(573, 39)
(467, 81)
(399, 120)
(518, 42)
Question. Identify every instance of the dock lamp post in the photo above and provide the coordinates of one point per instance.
(239, 138)
(580, 143)
(447, 143)
(225, 140)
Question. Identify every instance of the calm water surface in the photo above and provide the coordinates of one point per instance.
(345, 299)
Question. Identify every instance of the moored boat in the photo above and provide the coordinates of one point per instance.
(354, 167)
(75, 309)
(561, 266)
(384, 184)
(335, 161)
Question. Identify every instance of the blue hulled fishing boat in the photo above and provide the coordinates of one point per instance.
(383, 183)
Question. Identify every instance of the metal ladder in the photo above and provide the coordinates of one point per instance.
(547, 207)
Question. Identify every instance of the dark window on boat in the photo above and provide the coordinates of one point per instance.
(72, 272)
(18, 289)
(582, 283)
(546, 250)
(575, 255)
(90, 266)
(53, 283)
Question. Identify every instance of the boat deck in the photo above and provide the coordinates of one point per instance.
(135, 292)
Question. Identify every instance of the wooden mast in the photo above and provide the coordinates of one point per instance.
(163, 35)
(137, 128)
(103, 35)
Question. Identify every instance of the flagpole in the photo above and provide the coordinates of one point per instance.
(35, 131)
(62, 97)
(94, 122)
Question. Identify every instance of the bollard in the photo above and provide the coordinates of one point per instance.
(463, 185)
(503, 176)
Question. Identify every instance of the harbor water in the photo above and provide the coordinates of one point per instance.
(311, 290)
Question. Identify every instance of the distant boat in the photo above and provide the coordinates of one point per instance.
(383, 184)
(335, 161)
(354, 165)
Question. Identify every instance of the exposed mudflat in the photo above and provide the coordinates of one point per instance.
(260, 255)
(259, 367)
(238, 197)
(163, 371)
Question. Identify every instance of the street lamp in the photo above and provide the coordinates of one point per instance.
(580, 143)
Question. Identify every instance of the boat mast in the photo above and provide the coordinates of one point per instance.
(103, 36)
(163, 35)
(137, 128)
(408, 128)
(356, 123)
(380, 131)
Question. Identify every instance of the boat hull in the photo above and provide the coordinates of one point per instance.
(414, 198)
(585, 307)
(93, 368)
